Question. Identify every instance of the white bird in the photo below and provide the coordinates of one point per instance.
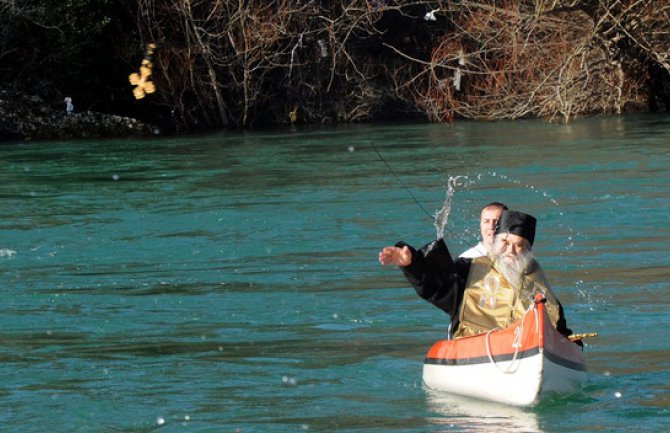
(430, 16)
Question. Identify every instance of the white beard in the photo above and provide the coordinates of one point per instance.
(514, 269)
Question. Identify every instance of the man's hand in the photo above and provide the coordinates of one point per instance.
(397, 256)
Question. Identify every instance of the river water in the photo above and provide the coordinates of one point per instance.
(230, 283)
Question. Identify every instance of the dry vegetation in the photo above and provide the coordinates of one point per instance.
(240, 62)
(541, 59)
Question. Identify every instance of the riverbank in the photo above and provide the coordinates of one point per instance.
(29, 117)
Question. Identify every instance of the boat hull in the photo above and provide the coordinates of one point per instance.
(520, 365)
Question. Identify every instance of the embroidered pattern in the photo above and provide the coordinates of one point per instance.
(491, 287)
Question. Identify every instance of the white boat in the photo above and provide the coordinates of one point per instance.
(520, 365)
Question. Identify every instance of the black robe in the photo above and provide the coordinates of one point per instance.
(441, 281)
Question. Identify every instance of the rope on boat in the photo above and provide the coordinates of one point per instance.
(518, 334)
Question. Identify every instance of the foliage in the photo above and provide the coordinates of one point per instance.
(242, 63)
(550, 59)
(234, 62)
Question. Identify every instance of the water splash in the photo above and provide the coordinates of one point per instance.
(571, 237)
(442, 216)
(475, 178)
(6, 252)
(546, 196)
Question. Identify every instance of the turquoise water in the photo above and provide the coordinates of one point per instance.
(230, 283)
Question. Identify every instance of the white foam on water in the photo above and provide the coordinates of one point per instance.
(5, 252)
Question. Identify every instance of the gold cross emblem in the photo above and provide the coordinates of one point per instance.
(142, 81)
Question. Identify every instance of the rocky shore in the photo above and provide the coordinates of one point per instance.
(24, 117)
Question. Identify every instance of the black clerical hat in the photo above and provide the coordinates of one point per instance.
(517, 223)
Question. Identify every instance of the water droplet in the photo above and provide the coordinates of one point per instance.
(115, 177)
(160, 421)
(351, 148)
(289, 380)
(617, 394)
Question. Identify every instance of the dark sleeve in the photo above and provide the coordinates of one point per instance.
(562, 325)
(436, 277)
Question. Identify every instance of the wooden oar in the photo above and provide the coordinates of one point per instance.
(575, 337)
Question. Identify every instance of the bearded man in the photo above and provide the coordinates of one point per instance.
(481, 293)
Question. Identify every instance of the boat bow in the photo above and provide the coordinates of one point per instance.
(519, 365)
